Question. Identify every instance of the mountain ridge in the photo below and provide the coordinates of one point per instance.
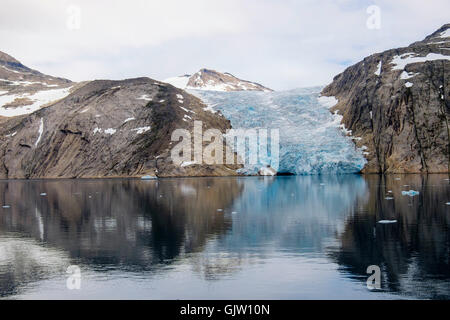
(212, 80)
(396, 106)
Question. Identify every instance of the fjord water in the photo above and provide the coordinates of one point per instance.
(311, 140)
(296, 237)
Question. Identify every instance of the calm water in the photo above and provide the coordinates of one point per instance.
(303, 237)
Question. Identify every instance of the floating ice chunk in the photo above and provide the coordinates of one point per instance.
(267, 171)
(43, 194)
(387, 221)
(410, 193)
(389, 198)
(148, 177)
(234, 212)
(219, 210)
(6, 206)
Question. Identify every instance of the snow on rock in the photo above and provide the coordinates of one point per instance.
(400, 62)
(378, 71)
(110, 131)
(141, 130)
(145, 97)
(187, 164)
(129, 119)
(37, 99)
(405, 75)
(41, 131)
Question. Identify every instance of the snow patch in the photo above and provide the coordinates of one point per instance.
(41, 131)
(141, 130)
(110, 131)
(38, 99)
(378, 71)
(400, 62)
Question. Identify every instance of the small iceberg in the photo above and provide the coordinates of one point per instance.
(149, 177)
(410, 193)
(387, 221)
(43, 194)
(219, 210)
(6, 207)
(267, 171)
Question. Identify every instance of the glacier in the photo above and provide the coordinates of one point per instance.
(311, 138)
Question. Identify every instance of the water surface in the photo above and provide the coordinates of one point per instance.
(299, 237)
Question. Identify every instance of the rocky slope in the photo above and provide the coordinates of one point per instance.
(396, 105)
(24, 90)
(106, 129)
(212, 80)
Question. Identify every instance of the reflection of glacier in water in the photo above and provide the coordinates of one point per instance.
(310, 139)
(296, 214)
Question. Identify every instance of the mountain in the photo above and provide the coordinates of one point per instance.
(212, 80)
(396, 106)
(102, 128)
(24, 90)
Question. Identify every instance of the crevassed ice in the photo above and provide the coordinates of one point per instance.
(311, 141)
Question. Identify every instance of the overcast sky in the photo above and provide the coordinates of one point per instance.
(282, 44)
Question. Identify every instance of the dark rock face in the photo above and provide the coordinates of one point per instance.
(396, 104)
(106, 129)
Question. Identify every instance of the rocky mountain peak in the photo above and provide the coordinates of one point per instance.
(212, 80)
(396, 106)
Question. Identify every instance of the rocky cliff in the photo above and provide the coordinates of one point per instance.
(396, 106)
(106, 129)
(212, 80)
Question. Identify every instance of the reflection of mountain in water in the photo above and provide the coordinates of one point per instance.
(414, 254)
(219, 228)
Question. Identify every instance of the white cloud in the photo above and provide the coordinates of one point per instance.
(283, 44)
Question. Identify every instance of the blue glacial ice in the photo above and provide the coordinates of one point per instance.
(311, 140)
